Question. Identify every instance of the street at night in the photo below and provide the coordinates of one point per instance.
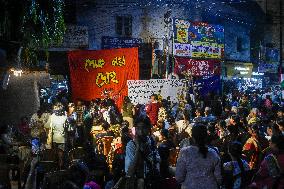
(141, 94)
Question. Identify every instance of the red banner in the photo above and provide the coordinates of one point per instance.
(197, 67)
(92, 72)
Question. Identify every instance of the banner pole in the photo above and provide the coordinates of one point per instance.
(153, 56)
(173, 40)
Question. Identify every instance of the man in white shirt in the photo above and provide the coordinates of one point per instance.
(55, 125)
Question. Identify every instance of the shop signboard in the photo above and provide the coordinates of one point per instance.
(120, 42)
(267, 67)
(75, 37)
(239, 69)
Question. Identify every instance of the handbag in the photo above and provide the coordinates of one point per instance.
(49, 140)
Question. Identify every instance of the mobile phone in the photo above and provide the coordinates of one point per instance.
(35, 146)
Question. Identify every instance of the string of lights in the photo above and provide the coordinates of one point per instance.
(216, 8)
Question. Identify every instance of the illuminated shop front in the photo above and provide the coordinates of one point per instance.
(238, 70)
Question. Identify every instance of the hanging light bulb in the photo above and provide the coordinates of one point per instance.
(17, 72)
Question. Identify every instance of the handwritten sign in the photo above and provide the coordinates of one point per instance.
(139, 91)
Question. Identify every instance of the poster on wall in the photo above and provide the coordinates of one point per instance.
(92, 72)
(198, 39)
(197, 67)
(139, 91)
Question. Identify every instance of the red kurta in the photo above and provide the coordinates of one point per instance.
(152, 110)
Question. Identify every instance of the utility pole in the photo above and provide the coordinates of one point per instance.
(168, 21)
(281, 49)
(281, 37)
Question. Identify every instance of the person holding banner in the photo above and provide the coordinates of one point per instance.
(152, 109)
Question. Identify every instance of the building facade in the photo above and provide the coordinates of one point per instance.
(131, 19)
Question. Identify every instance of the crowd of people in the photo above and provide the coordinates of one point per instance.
(235, 141)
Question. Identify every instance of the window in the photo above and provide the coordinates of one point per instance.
(124, 25)
(239, 44)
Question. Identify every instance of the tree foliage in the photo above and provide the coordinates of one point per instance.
(43, 26)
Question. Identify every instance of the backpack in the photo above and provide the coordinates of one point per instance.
(229, 178)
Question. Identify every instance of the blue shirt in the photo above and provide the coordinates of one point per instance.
(130, 154)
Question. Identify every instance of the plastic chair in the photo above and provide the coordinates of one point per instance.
(54, 180)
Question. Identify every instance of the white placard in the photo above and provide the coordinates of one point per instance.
(139, 91)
